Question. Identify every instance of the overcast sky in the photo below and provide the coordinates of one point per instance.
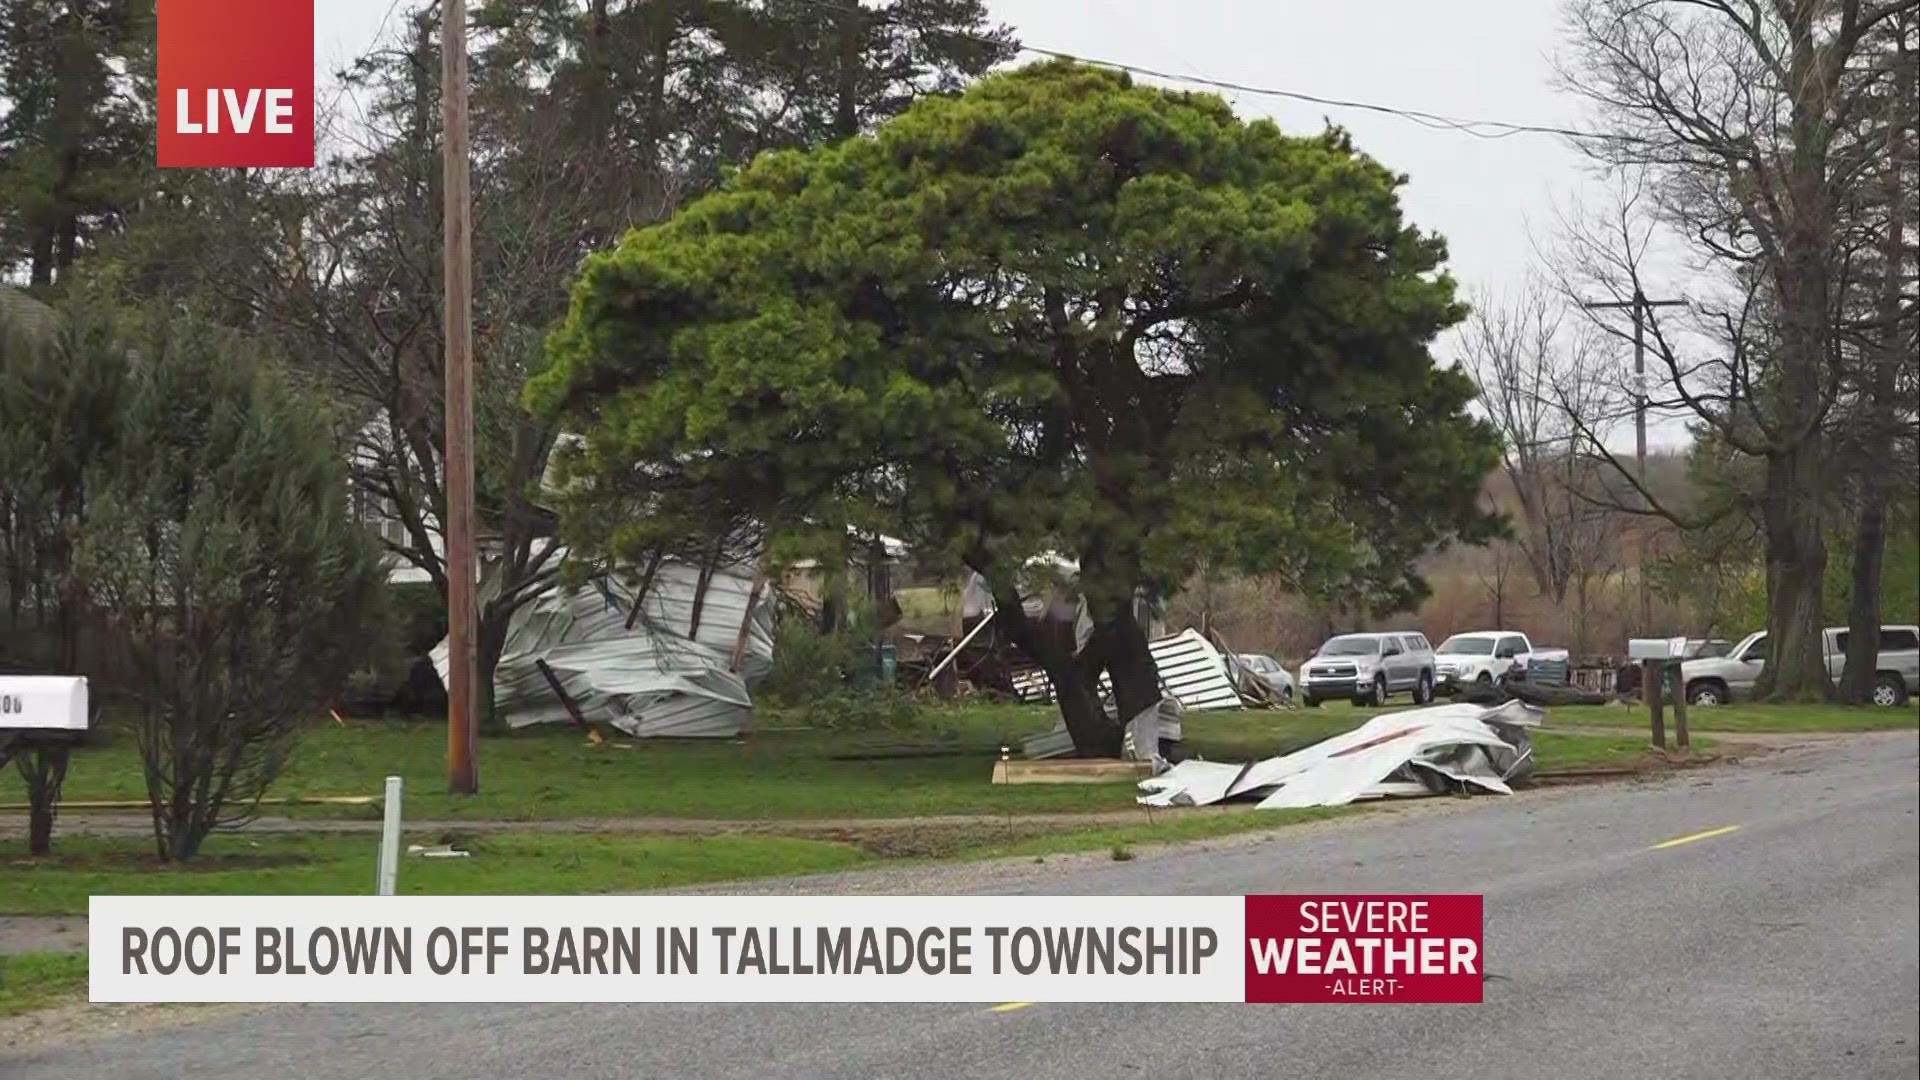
(1490, 59)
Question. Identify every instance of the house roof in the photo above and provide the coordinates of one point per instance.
(19, 310)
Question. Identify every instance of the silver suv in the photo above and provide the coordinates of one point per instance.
(1369, 668)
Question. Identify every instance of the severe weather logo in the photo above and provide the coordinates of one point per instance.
(1364, 948)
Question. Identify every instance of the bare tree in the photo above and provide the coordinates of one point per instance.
(1740, 118)
(1496, 571)
(1880, 326)
(1547, 385)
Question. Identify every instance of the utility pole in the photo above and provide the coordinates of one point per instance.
(1640, 306)
(463, 771)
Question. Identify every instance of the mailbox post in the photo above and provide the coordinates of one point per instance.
(48, 715)
(1660, 660)
(1681, 739)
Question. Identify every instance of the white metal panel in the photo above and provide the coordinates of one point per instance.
(1191, 671)
(43, 703)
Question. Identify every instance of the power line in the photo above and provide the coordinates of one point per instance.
(1481, 129)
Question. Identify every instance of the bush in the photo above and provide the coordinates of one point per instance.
(830, 679)
(809, 663)
(878, 709)
(235, 589)
(419, 613)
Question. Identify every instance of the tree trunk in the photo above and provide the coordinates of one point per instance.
(1129, 663)
(1863, 610)
(1095, 734)
(1050, 644)
(846, 115)
(40, 261)
(1796, 666)
(43, 770)
(488, 644)
(1870, 532)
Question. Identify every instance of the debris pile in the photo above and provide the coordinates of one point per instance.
(673, 661)
(1429, 751)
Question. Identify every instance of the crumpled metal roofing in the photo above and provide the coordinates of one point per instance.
(1191, 670)
(665, 677)
(1413, 752)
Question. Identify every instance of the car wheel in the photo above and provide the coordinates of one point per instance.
(1485, 679)
(1889, 691)
(1286, 695)
(1378, 694)
(1310, 701)
(1423, 690)
(1705, 695)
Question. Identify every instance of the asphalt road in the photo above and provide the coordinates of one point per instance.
(1785, 947)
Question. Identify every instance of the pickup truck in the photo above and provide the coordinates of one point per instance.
(1720, 679)
(1485, 656)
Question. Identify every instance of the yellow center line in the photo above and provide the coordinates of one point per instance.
(1691, 837)
(1010, 1006)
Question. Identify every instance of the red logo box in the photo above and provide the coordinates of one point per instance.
(236, 83)
(1388, 948)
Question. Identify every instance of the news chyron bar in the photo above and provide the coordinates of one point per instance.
(1261, 949)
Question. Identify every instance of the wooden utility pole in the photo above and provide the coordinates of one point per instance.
(463, 770)
(1640, 306)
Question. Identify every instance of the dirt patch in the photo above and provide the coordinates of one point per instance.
(130, 860)
(1650, 764)
(42, 933)
(928, 842)
(85, 1020)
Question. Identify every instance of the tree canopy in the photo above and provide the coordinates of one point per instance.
(1060, 312)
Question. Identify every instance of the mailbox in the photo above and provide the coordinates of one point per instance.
(1656, 648)
(43, 703)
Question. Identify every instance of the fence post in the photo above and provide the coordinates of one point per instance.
(390, 840)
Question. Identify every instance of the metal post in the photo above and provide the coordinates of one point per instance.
(964, 642)
(389, 875)
(1640, 448)
(1641, 307)
(1681, 739)
(463, 774)
(1653, 678)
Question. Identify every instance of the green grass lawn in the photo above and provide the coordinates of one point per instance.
(1791, 718)
(554, 773)
(556, 863)
(32, 981)
(344, 864)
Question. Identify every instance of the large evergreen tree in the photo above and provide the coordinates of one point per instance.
(1060, 312)
(76, 129)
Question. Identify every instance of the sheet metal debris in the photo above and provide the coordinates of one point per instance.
(1191, 670)
(672, 674)
(1416, 752)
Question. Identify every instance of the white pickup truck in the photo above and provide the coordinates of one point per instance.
(1720, 679)
(1484, 656)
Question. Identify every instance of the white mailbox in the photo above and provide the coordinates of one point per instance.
(43, 703)
(1657, 648)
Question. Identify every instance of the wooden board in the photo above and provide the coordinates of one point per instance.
(1069, 771)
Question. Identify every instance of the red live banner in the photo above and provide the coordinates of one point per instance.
(1386, 948)
(236, 83)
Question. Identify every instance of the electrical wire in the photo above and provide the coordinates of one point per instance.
(1482, 129)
